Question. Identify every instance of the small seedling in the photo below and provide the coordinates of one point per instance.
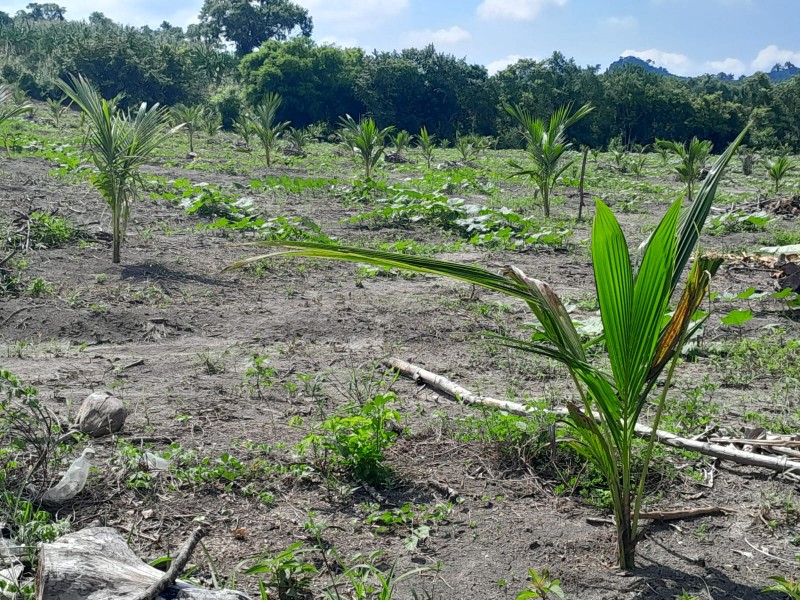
(541, 586)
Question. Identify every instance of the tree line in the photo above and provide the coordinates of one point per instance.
(241, 51)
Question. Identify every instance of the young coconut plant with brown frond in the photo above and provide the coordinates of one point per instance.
(634, 297)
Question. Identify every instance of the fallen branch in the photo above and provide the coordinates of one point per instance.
(781, 464)
(176, 567)
(684, 513)
(12, 315)
(781, 443)
(669, 515)
(135, 363)
(8, 257)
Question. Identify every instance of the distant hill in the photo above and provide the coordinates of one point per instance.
(648, 65)
(783, 72)
(777, 74)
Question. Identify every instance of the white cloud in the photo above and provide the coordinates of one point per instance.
(677, 64)
(353, 15)
(627, 22)
(501, 63)
(439, 37)
(772, 55)
(727, 65)
(515, 10)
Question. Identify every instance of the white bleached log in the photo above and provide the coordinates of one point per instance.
(96, 564)
(775, 463)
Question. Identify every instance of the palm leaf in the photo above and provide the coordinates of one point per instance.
(614, 283)
(469, 274)
(693, 219)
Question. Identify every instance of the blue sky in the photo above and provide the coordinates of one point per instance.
(688, 37)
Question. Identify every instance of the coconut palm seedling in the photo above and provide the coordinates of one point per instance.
(546, 144)
(243, 126)
(692, 157)
(747, 156)
(778, 169)
(9, 107)
(211, 122)
(265, 126)
(366, 139)
(426, 143)
(120, 143)
(633, 305)
(57, 109)
(192, 118)
(298, 139)
(470, 146)
(401, 141)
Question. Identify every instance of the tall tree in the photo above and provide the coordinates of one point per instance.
(315, 82)
(49, 11)
(249, 23)
(423, 87)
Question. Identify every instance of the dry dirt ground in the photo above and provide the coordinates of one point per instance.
(171, 335)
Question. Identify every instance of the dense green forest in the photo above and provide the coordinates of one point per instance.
(240, 51)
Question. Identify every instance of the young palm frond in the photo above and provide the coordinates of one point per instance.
(243, 125)
(546, 146)
(747, 156)
(692, 158)
(778, 169)
(633, 304)
(470, 146)
(120, 144)
(9, 107)
(191, 117)
(265, 125)
(426, 142)
(57, 109)
(366, 139)
(298, 139)
(401, 141)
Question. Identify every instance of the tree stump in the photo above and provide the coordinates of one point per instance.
(96, 564)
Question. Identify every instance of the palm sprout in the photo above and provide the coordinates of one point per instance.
(426, 142)
(747, 156)
(778, 169)
(191, 117)
(633, 305)
(212, 123)
(243, 125)
(366, 139)
(120, 144)
(692, 158)
(57, 109)
(470, 146)
(265, 125)
(9, 106)
(298, 139)
(546, 146)
(401, 141)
